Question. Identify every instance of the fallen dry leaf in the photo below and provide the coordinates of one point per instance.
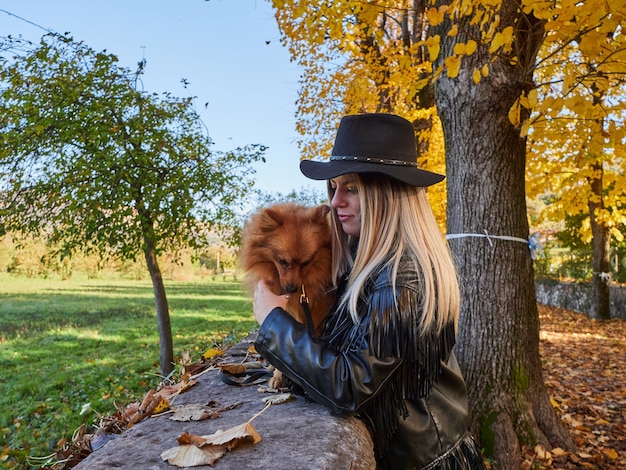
(152, 403)
(234, 436)
(542, 453)
(170, 391)
(188, 438)
(279, 398)
(191, 456)
(237, 368)
(185, 358)
(211, 448)
(193, 413)
(162, 405)
(219, 407)
(212, 352)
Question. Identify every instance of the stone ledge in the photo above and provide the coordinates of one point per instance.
(296, 435)
(577, 296)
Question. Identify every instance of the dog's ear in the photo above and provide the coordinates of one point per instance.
(322, 210)
(272, 218)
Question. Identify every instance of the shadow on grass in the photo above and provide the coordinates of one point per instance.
(23, 316)
(172, 288)
(31, 323)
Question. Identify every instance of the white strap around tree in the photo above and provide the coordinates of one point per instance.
(486, 235)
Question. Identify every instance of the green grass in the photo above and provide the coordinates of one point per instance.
(64, 344)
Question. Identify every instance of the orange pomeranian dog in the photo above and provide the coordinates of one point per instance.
(288, 246)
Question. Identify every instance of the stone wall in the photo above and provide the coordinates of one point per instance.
(577, 296)
(296, 435)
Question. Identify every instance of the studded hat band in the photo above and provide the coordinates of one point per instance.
(374, 160)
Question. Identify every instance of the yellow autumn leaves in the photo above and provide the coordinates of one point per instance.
(493, 39)
(528, 100)
(385, 56)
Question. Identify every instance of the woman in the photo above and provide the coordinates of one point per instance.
(385, 354)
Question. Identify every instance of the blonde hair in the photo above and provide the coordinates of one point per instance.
(397, 222)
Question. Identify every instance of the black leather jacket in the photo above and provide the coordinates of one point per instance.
(407, 388)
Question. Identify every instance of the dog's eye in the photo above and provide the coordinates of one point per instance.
(305, 264)
(283, 262)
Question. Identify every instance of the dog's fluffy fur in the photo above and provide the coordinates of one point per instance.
(288, 245)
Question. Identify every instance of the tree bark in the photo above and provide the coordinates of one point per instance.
(166, 345)
(498, 343)
(600, 299)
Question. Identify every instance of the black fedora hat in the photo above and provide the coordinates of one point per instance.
(373, 143)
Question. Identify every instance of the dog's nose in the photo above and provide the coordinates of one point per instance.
(291, 288)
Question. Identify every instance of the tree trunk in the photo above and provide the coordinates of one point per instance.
(166, 355)
(498, 343)
(600, 299)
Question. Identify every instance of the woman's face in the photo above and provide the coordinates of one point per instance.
(346, 203)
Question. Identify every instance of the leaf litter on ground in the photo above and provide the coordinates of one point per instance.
(584, 369)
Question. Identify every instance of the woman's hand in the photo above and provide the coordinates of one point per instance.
(265, 301)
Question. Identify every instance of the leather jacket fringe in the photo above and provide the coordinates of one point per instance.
(406, 386)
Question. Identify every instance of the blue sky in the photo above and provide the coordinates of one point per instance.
(228, 50)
